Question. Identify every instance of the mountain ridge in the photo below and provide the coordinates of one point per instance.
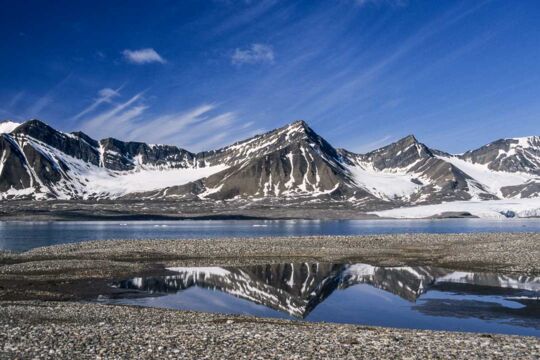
(291, 163)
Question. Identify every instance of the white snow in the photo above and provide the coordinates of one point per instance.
(120, 183)
(211, 270)
(289, 184)
(488, 209)
(493, 181)
(360, 270)
(210, 191)
(11, 192)
(8, 126)
(523, 143)
(384, 184)
(526, 283)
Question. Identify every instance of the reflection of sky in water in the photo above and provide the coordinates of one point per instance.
(20, 236)
(197, 299)
(364, 304)
(500, 300)
(376, 296)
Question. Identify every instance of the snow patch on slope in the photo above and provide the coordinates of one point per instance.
(523, 143)
(492, 180)
(523, 283)
(121, 183)
(212, 270)
(487, 209)
(384, 184)
(8, 126)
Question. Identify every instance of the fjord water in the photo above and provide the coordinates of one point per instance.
(21, 236)
(405, 297)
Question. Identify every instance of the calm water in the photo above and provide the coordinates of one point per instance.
(405, 297)
(20, 236)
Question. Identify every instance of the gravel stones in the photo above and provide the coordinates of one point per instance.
(57, 330)
(74, 330)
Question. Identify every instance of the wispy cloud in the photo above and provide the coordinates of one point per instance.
(351, 84)
(202, 127)
(381, 2)
(37, 108)
(251, 13)
(99, 123)
(166, 128)
(143, 56)
(105, 95)
(372, 145)
(15, 99)
(254, 54)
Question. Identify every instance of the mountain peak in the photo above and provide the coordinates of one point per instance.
(402, 144)
(35, 121)
(299, 123)
(298, 126)
(35, 128)
(409, 139)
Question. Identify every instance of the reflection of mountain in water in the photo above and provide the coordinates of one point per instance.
(298, 288)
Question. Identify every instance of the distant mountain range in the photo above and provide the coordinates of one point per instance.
(288, 164)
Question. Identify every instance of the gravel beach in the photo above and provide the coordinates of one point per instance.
(35, 324)
(71, 330)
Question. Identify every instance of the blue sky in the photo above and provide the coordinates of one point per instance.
(202, 74)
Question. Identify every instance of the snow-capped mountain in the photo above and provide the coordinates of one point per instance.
(291, 163)
(298, 288)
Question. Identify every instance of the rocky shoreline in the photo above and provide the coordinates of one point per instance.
(34, 323)
(90, 331)
(124, 210)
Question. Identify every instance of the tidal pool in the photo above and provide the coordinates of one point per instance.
(403, 297)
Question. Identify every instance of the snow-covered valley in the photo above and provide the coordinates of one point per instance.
(486, 209)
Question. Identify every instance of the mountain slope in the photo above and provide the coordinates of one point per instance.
(289, 164)
(408, 171)
(509, 167)
(508, 155)
(40, 162)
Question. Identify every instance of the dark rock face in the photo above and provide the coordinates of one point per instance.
(26, 168)
(304, 164)
(80, 147)
(125, 156)
(13, 173)
(291, 163)
(402, 153)
(511, 155)
(527, 190)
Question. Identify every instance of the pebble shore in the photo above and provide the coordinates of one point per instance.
(91, 331)
(33, 324)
